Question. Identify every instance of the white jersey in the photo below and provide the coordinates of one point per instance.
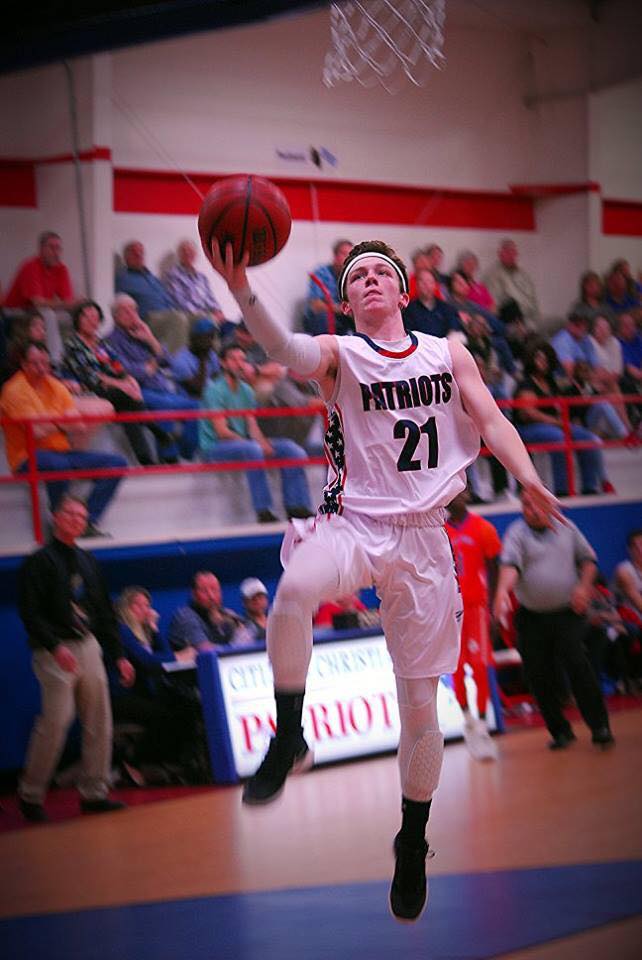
(398, 440)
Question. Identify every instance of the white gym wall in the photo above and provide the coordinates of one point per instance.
(226, 101)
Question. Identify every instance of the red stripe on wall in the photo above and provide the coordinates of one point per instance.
(154, 191)
(86, 156)
(17, 184)
(622, 218)
(542, 190)
(18, 175)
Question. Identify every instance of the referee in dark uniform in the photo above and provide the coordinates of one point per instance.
(551, 567)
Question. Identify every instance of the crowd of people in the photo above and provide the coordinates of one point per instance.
(173, 349)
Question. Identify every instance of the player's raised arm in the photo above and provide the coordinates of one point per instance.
(499, 434)
(313, 357)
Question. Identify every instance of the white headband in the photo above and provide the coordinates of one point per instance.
(379, 256)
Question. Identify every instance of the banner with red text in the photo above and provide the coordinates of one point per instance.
(350, 703)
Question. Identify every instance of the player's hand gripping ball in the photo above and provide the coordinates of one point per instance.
(250, 213)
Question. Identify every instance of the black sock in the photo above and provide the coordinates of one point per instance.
(414, 818)
(289, 708)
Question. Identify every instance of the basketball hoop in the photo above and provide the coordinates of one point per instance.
(379, 41)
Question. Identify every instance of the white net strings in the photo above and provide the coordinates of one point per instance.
(384, 42)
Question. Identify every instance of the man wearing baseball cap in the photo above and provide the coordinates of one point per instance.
(255, 602)
(198, 362)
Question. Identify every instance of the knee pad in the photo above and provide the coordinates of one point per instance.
(420, 778)
(421, 746)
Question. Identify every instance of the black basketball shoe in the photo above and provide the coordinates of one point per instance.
(409, 888)
(286, 754)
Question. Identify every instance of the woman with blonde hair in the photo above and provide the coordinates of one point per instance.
(167, 717)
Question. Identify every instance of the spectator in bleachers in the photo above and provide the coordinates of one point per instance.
(572, 343)
(28, 326)
(268, 371)
(543, 424)
(590, 303)
(197, 363)
(323, 297)
(574, 346)
(479, 343)
(274, 388)
(33, 392)
(475, 334)
(601, 418)
(155, 305)
(608, 373)
(631, 343)
(90, 361)
(204, 623)
(607, 349)
(621, 291)
(459, 297)
(240, 438)
(167, 720)
(43, 283)
(145, 359)
(506, 280)
(515, 330)
(189, 289)
(288, 393)
(255, 604)
(31, 327)
(468, 264)
(633, 285)
(435, 255)
(427, 313)
(420, 261)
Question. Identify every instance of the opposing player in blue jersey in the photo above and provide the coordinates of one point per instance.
(405, 416)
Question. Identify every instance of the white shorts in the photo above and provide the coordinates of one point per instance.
(413, 571)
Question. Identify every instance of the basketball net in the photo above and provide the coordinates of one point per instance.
(379, 41)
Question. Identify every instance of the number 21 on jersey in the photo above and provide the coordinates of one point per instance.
(410, 433)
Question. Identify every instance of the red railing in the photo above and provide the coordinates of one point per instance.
(32, 476)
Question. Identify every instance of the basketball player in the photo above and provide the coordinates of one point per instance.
(406, 412)
(476, 547)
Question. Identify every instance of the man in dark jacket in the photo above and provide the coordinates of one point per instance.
(66, 610)
(427, 313)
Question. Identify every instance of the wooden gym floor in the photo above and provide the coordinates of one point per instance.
(538, 857)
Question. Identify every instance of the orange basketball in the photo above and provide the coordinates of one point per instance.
(250, 213)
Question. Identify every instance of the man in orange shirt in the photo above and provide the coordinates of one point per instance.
(476, 548)
(43, 283)
(33, 392)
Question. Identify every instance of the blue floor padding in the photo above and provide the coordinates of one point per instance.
(470, 917)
